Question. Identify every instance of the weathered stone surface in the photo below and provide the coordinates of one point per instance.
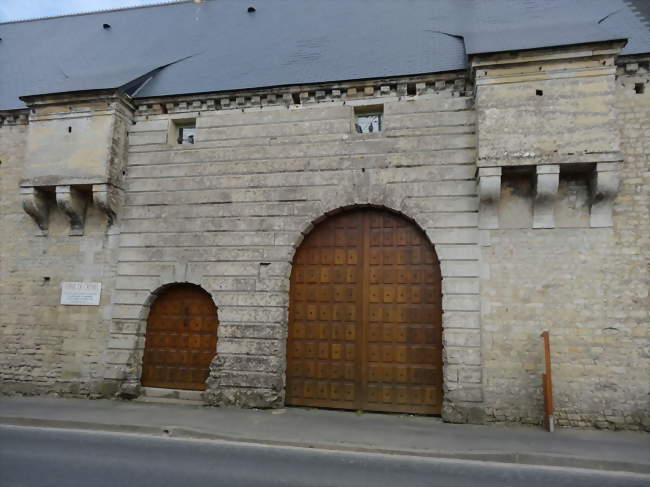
(489, 182)
(457, 412)
(76, 139)
(560, 250)
(546, 185)
(589, 288)
(539, 106)
(46, 347)
(230, 211)
(247, 398)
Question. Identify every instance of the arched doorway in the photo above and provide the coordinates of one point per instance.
(365, 316)
(181, 338)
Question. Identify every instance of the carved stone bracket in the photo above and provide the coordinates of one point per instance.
(546, 184)
(489, 188)
(35, 205)
(106, 198)
(604, 188)
(73, 203)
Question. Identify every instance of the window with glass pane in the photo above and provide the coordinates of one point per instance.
(186, 134)
(368, 118)
(368, 122)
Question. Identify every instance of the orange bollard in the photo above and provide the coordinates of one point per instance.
(549, 419)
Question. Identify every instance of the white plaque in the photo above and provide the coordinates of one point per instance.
(81, 293)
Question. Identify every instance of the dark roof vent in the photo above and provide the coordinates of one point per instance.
(106, 26)
(251, 10)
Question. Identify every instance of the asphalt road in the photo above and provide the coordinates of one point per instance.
(57, 457)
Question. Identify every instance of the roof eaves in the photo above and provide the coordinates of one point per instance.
(302, 86)
(131, 86)
(549, 46)
(529, 38)
(93, 12)
(49, 98)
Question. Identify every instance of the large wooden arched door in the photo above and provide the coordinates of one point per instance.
(181, 338)
(365, 316)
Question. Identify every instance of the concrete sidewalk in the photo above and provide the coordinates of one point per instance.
(381, 433)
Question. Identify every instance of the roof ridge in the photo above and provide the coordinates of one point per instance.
(100, 11)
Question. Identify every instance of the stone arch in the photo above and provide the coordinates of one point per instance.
(331, 210)
(153, 295)
(419, 324)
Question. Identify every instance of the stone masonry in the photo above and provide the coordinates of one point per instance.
(228, 214)
(580, 276)
(529, 175)
(46, 347)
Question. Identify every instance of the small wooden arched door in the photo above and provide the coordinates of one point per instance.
(365, 316)
(181, 338)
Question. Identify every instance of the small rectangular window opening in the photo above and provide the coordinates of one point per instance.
(369, 119)
(185, 131)
(639, 88)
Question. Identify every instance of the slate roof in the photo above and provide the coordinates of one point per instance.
(218, 45)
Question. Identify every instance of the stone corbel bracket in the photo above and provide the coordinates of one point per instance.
(35, 205)
(604, 188)
(72, 203)
(546, 185)
(106, 198)
(489, 189)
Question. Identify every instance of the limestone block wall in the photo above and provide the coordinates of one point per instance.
(587, 286)
(228, 212)
(547, 106)
(46, 347)
(562, 246)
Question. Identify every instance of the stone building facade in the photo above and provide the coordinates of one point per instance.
(528, 173)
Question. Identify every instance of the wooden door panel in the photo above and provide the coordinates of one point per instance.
(365, 316)
(181, 339)
(322, 356)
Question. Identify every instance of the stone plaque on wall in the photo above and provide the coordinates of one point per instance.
(81, 293)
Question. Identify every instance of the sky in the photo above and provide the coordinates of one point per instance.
(29, 9)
